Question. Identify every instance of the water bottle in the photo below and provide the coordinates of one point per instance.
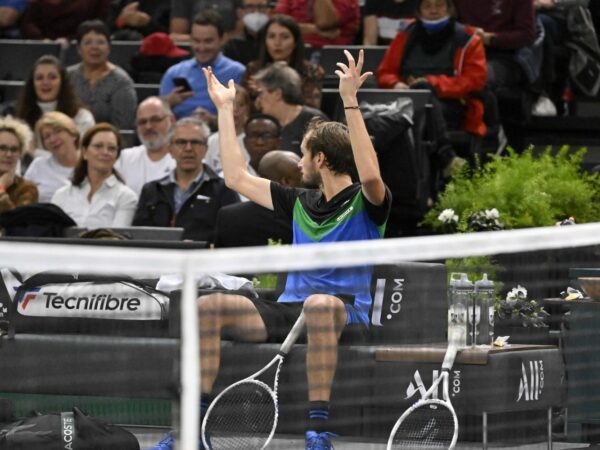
(460, 297)
(485, 295)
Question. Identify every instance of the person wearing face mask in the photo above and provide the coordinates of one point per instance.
(436, 52)
(253, 14)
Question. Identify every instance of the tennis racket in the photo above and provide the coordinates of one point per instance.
(430, 423)
(244, 416)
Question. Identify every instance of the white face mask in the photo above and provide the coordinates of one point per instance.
(255, 21)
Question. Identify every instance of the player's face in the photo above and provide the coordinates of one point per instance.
(206, 43)
(308, 167)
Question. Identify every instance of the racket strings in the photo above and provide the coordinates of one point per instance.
(427, 426)
(242, 418)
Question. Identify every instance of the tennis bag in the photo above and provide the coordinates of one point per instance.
(50, 302)
(71, 430)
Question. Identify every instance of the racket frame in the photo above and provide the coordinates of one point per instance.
(278, 359)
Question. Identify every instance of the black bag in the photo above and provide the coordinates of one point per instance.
(65, 431)
(584, 62)
(35, 220)
(404, 163)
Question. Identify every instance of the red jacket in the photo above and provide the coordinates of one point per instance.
(470, 72)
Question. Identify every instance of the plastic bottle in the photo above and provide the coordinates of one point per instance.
(460, 298)
(485, 295)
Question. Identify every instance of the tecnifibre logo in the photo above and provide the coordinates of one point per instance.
(395, 300)
(531, 383)
(29, 296)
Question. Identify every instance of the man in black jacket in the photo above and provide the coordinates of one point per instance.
(192, 194)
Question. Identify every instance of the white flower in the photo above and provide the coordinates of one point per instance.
(448, 216)
(515, 294)
(492, 214)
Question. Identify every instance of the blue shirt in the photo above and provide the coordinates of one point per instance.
(224, 69)
(19, 5)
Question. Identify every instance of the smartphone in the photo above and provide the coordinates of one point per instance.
(182, 82)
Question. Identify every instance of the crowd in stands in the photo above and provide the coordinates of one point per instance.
(62, 140)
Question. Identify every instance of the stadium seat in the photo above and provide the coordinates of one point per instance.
(18, 56)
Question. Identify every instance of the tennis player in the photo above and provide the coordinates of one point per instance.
(333, 155)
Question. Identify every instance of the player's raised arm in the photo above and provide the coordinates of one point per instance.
(235, 169)
(362, 148)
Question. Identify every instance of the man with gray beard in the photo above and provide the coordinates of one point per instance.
(151, 160)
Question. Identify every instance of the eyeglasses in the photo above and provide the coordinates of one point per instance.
(13, 150)
(263, 136)
(110, 148)
(195, 143)
(153, 120)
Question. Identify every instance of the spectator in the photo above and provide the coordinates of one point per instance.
(279, 90)
(49, 88)
(10, 15)
(241, 111)
(246, 224)
(104, 87)
(207, 42)
(15, 137)
(323, 22)
(131, 20)
(182, 10)
(436, 52)
(382, 18)
(555, 67)
(263, 135)
(192, 194)
(506, 27)
(60, 19)
(253, 14)
(151, 160)
(59, 135)
(97, 196)
(281, 40)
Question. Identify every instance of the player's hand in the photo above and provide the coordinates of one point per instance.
(350, 75)
(220, 94)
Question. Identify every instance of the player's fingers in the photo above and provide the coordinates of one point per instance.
(342, 66)
(351, 61)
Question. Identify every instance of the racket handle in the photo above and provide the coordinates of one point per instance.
(455, 338)
(292, 336)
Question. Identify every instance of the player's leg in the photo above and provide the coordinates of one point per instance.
(325, 320)
(217, 312)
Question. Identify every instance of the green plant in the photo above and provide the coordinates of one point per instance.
(527, 190)
(266, 280)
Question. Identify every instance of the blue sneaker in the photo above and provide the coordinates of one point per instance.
(168, 442)
(319, 441)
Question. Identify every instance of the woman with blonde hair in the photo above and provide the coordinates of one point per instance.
(15, 137)
(97, 196)
(58, 134)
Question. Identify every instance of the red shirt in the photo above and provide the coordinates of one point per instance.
(348, 16)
